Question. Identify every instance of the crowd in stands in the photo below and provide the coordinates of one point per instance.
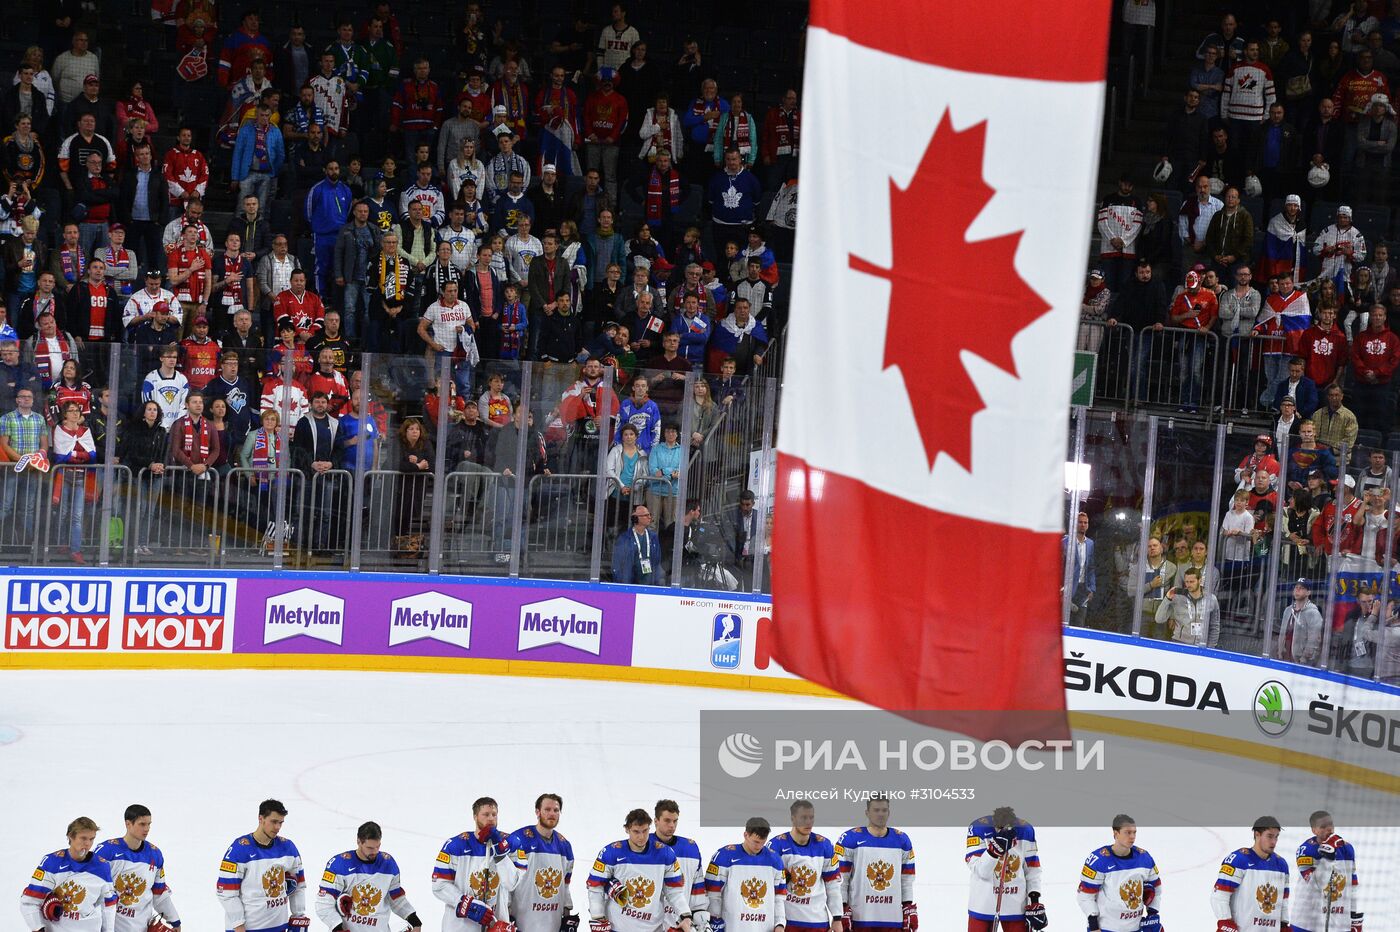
(579, 203)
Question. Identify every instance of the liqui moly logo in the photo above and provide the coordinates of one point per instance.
(304, 612)
(561, 621)
(430, 616)
(166, 614)
(58, 615)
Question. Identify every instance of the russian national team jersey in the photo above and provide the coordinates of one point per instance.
(544, 867)
(374, 887)
(1117, 889)
(633, 889)
(748, 891)
(261, 887)
(1013, 875)
(138, 876)
(1318, 880)
(877, 876)
(1251, 890)
(467, 867)
(813, 880)
(688, 857)
(83, 888)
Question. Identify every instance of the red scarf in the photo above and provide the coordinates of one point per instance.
(663, 194)
(187, 437)
(43, 359)
(736, 134)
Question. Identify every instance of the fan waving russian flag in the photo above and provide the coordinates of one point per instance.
(947, 200)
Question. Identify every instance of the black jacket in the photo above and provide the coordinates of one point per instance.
(156, 199)
(255, 235)
(9, 110)
(1140, 304)
(141, 445)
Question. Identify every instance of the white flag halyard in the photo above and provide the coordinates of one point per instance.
(937, 282)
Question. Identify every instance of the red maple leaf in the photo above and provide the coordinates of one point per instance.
(946, 294)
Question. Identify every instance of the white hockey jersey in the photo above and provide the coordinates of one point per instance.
(634, 889)
(748, 891)
(138, 876)
(1318, 880)
(142, 302)
(539, 890)
(877, 876)
(1251, 890)
(1014, 875)
(1339, 262)
(1117, 890)
(468, 867)
(83, 888)
(261, 887)
(463, 243)
(374, 887)
(333, 97)
(692, 881)
(167, 392)
(813, 880)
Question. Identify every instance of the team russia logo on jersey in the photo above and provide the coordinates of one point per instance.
(176, 615)
(58, 614)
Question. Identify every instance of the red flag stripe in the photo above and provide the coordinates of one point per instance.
(961, 604)
(1055, 41)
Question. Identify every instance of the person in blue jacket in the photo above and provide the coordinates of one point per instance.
(1302, 389)
(637, 556)
(258, 156)
(1083, 580)
(694, 328)
(327, 210)
(733, 197)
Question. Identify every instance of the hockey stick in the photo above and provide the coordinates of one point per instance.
(1001, 889)
(1327, 901)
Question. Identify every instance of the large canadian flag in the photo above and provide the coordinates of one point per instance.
(948, 167)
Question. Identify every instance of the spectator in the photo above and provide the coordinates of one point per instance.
(1194, 221)
(94, 309)
(557, 113)
(418, 109)
(22, 432)
(24, 257)
(694, 329)
(738, 338)
(558, 333)
(1208, 79)
(141, 305)
(393, 292)
(1230, 235)
(701, 122)
(1191, 613)
(781, 143)
(327, 210)
(1239, 306)
(1336, 425)
(246, 342)
(1285, 241)
(1386, 639)
(737, 130)
(616, 40)
(502, 170)
(637, 556)
(1119, 223)
(237, 394)
(1297, 386)
(1374, 357)
(446, 325)
(415, 465)
(1375, 141)
(733, 196)
(258, 157)
(605, 118)
(1093, 311)
(1225, 162)
(1355, 90)
(627, 472)
(44, 300)
(119, 264)
(199, 355)
(50, 348)
(191, 273)
(1158, 573)
(1226, 41)
(665, 460)
(89, 101)
(74, 151)
(141, 204)
(26, 98)
(194, 446)
(1341, 246)
(94, 193)
(1184, 142)
(454, 162)
(510, 92)
(547, 199)
(318, 446)
(186, 171)
(1358, 635)
(72, 67)
(1307, 456)
(1377, 474)
(232, 274)
(1301, 626)
(1260, 460)
(466, 167)
(332, 95)
(1195, 308)
(1247, 96)
(167, 386)
(242, 48)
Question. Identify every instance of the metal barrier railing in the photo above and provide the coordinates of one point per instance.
(1115, 348)
(472, 496)
(1181, 370)
(1253, 366)
(78, 520)
(178, 517)
(251, 528)
(560, 522)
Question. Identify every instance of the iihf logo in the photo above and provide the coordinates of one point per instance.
(740, 755)
(726, 641)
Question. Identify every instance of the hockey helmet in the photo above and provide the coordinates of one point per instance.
(1162, 172)
(1319, 175)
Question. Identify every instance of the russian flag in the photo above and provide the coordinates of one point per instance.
(1284, 249)
(1296, 316)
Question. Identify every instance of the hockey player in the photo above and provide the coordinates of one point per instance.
(360, 887)
(813, 874)
(262, 885)
(1327, 872)
(1119, 887)
(540, 900)
(467, 875)
(1005, 864)
(668, 815)
(746, 884)
(872, 860)
(1251, 890)
(636, 882)
(138, 876)
(71, 889)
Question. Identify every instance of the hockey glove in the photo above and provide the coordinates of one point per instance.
(599, 925)
(1094, 923)
(846, 921)
(1151, 922)
(52, 908)
(159, 923)
(700, 921)
(298, 923)
(1149, 894)
(1356, 922)
(569, 923)
(1327, 849)
(911, 916)
(474, 910)
(500, 925)
(345, 905)
(1226, 925)
(1035, 913)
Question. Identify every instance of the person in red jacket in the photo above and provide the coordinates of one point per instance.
(328, 379)
(185, 169)
(1324, 349)
(1374, 355)
(418, 110)
(1195, 308)
(301, 307)
(199, 355)
(778, 149)
(604, 119)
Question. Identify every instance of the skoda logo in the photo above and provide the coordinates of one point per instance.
(1273, 708)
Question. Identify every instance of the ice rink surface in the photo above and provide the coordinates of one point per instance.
(411, 751)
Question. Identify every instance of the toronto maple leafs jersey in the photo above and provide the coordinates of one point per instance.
(1012, 876)
(748, 891)
(468, 867)
(261, 886)
(1318, 881)
(877, 876)
(83, 888)
(1117, 889)
(138, 876)
(632, 889)
(1251, 890)
(688, 856)
(539, 889)
(168, 393)
(374, 888)
(813, 880)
